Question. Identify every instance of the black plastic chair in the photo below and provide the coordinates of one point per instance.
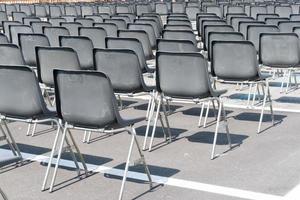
(96, 34)
(95, 109)
(176, 45)
(72, 27)
(37, 27)
(53, 33)
(110, 28)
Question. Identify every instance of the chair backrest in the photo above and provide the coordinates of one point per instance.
(50, 58)
(283, 11)
(297, 31)
(71, 10)
(121, 24)
(161, 8)
(210, 22)
(83, 47)
(238, 64)
(275, 21)
(105, 10)
(28, 20)
(182, 75)
(192, 11)
(295, 17)
(262, 17)
(178, 27)
(176, 45)
(72, 27)
(180, 35)
(153, 16)
(10, 54)
(23, 97)
(85, 22)
(235, 9)
(255, 10)
(122, 9)
(128, 43)
(152, 22)
(235, 21)
(215, 9)
(254, 31)
(122, 17)
(147, 28)
(14, 30)
(26, 9)
(69, 18)
(96, 18)
(53, 33)
(85, 98)
(6, 24)
(142, 8)
(40, 11)
(229, 16)
(222, 36)
(28, 42)
(3, 39)
(87, 10)
(202, 18)
(243, 26)
(142, 37)
(56, 21)
(214, 28)
(122, 67)
(18, 16)
(279, 49)
(3, 17)
(10, 8)
(95, 34)
(37, 27)
(287, 26)
(186, 22)
(178, 7)
(55, 11)
(110, 28)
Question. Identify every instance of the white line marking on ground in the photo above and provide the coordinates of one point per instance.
(245, 194)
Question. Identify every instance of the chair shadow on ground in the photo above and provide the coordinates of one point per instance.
(128, 103)
(144, 106)
(207, 137)
(196, 112)
(243, 96)
(157, 144)
(285, 99)
(250, 116)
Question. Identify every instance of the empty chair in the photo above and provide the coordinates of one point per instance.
(53, 34)
(153, 23)
(166, 45)
(14, 30)
(283, 11)
(56, 21)
(235, 21)
(210, 22)
(99, 113)
(28, 42)
(226, 68)
(254, 31)
(142, 8)
(295, 17)
(10, 54)
(282, 54)
(95, 34)
(10, 8)
(255, 10)
(122, 9)
(217, 10)
(132, 44)
(189, 82)
(83, 47)
(177, 27)
(148, 28)
(40, 11)
(142, 37)
(3, 39)
(3, 17)
(37, 27)
(287, 26)
(95, 18)
(235, 9)
(180, 35)
(125, 18)
(86, 22)
(179, 22)
(222, 36)
(26, 9)
(274, 21)
(24, 102)
(50, 58)
(86, 10)
(192, 12)
(110, 28)
(202, 18)
(178, 7)
(72, 27)
(229, 16)
(71, 10)
(214, 28)
(6, 25)
(121, 24)
(28, 20)
(161, 8)
(243, 26)
(153, 16)
(18, 16)
(262, 17)
(105, 10)
(55, 11)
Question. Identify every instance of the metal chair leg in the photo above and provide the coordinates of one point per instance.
(149, 120)
(201, 113)
(166, 118)
(33, 129)
(154, 124)
(206, 115)
(216, 132)
(3, 195)
(262, 111)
